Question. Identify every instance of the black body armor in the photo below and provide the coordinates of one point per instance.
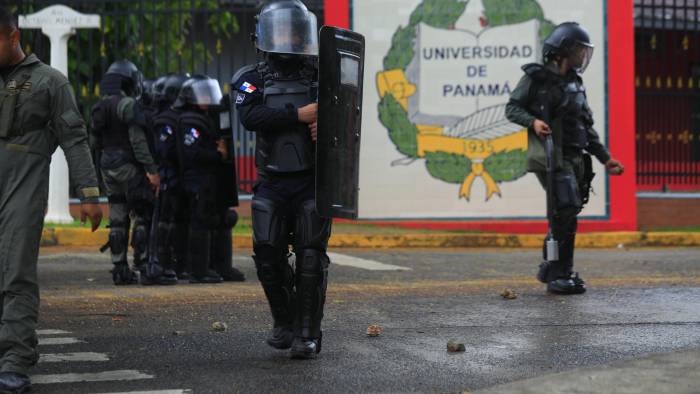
(291, 150)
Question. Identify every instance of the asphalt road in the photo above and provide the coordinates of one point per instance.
(149, 339)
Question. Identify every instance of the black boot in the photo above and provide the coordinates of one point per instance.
(559, 275)
(164, 274)
(199, 256)
(572, 284)
(222, 256)
(277, 280)
(311, 282)
(14, 383)
(304, 349)
(180, 253)
(118, 245)
(123, 275)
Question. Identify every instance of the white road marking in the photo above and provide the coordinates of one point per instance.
(156, 392)
(371, 265)
(107, 376)
(52, 332)
(72, 357)
(59, 341)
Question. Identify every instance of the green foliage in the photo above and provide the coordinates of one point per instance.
(506, 166)
(436, 13)
(401, 131)
(448, 167)
(506, 12)
(546, 27)
(442, 14)
(401, 52)
(156, 35)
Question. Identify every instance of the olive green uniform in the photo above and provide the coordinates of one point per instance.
(38, 113)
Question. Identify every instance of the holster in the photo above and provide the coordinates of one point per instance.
(588, 176)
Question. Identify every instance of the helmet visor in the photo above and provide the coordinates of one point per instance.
(138, 85)
(290, 31)
(159, 89)
(206, 92)
(581, 57)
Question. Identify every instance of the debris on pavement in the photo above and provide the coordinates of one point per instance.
(509, 294)
(374, 330)
(219, 326)
(455, 347)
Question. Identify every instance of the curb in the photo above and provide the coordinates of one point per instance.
(82, 237)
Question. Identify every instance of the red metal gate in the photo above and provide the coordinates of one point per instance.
(667, 40)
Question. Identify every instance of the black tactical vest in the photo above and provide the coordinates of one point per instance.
(112, 131)
(576, 116)
(566, 99)
(290, 150)
(195, 129)
(164, 134)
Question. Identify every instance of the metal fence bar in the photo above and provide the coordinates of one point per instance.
(668, 94)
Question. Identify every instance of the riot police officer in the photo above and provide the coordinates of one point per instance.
(172, 204)
(551, 99)
(277, 101)
(128, 169)
(200, 102)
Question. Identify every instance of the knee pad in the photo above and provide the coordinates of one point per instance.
(118, 238)
(269, 224)
(311, 231)
(231, 218)
(139, 238)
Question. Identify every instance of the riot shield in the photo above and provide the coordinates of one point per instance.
(227, 175)
(341, 70)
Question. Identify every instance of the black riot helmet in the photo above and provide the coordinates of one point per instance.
(131, 78)
(569, 40)
(147, 95)
(159, 89)
(287, 27)
(199, 91)
(167, 88)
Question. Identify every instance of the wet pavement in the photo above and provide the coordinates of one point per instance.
(640, 301)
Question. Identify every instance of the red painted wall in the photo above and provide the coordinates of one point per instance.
(621, 117)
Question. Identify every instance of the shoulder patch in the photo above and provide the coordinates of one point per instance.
(248, 87)
(192, 136)
(165, 133)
